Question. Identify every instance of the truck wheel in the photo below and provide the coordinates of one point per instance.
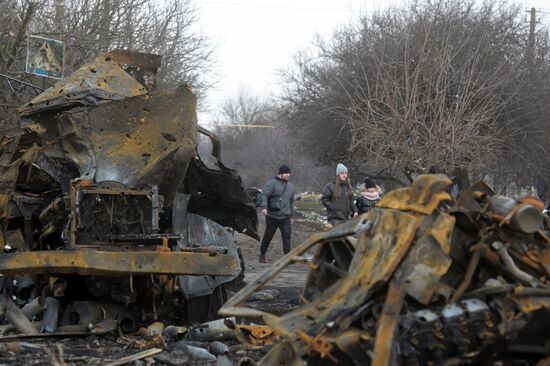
(205, 308)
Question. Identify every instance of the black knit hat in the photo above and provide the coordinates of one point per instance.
(284, 169)
(369, 183)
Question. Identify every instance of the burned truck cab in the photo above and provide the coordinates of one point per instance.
(103, 196)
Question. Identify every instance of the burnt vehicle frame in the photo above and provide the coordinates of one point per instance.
(104, 197)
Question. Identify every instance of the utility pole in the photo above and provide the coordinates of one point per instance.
(531, 49)
(60, 15)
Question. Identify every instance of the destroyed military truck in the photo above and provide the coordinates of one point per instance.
(419, 280)
(103, 197)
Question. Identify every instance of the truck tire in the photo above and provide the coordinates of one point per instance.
(205, 308)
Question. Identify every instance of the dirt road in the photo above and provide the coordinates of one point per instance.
(293, 276)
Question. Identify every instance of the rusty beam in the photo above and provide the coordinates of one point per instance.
(388, 323)
(92, 262)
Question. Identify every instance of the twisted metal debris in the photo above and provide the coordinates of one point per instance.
(104, 199)
(419, 280)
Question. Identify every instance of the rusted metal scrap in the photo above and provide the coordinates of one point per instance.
(104, 198)
(419, 280)
(255, 335)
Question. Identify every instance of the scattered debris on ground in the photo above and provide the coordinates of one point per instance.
(196, 344)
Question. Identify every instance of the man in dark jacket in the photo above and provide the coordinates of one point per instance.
(277, 204)
(338, 197)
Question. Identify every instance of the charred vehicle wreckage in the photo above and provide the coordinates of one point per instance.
(421, 279)
(104, 198)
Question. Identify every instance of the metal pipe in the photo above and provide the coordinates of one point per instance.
(51, 315)
(16, 318)
(22, 82)
(511, 265)
(474, 261)
(525, 217)
(527, 348)
(33, 308)
(487, 291)
(528, 292)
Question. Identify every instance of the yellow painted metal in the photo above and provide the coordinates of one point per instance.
(102, 74)
(441, 231)
(429, 258)
(531, 304)
(256, 335)
(94, 262)
(424, 196)
(134, 139)
(386, 246)
(545, 260)
(426, 186)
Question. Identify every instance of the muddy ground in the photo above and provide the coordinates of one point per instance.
(291, 280)
(302, 228)
(106, 349)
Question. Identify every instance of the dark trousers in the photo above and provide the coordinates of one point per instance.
(271, 225)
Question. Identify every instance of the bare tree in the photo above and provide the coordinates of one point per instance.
(15, 21)
(241, 115)
(433, 86)
(91, 27)
(247, 126)
(256, 142)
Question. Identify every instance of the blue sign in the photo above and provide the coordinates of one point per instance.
(45, 57)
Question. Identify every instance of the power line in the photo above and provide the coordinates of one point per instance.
(249, 5)
(240, 126)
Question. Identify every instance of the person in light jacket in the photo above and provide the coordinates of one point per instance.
(277, 204)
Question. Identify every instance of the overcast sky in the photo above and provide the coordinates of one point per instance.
(256, 38)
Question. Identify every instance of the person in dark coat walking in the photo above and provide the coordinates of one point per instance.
(277, 204)
(338, 197)
(369, 196)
